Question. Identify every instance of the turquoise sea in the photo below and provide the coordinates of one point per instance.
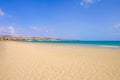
(103, 44)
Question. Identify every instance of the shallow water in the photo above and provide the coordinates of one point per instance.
(102, 44)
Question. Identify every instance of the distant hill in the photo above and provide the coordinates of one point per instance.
(5, 36)
(9, 37)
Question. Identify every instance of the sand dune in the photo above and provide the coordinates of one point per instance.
(27, 61)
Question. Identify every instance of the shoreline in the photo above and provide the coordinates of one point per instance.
(80, 45)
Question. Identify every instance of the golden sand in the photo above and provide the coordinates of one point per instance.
(27, 61)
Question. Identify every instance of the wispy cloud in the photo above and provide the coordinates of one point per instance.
(87, 3)
(1, 13)
(117, 26)
(42, 29)
(116, 29)
(10, 30)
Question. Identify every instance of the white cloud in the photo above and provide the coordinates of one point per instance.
(1, 13)
(87, 3)
(8, 31)
(11, 30)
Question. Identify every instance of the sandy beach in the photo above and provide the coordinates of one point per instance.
(31, 61)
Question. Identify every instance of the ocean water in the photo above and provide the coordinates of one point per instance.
(105, 44)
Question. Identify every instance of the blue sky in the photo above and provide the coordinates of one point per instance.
(67, 19)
